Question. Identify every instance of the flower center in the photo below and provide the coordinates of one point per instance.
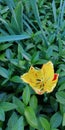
(40, 83)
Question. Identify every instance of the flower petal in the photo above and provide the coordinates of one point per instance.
(32, 76)
(50, 85)
(55, 76)
(48, 71)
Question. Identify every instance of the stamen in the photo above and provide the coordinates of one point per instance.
(38, 80)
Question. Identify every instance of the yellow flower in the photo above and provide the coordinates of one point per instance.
(41, 80)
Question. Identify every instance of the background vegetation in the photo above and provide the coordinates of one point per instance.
(32, 32)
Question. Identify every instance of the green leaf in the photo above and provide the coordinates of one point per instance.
(26, 95)
(60, 97)
(36, 13)
(30, 22)
(16, 79)
(2, 57)
(31, 128)
(63, 123)
(2, 115)
(12, 120)
(33, 102)
(20, 105)
(19, 125)
(14, 61)
(9, 3)
(35, 57)
(6, 106)
(62, 87)
(62, 7)
(54, 129)
(62, 80)
(56, 120)
(19, 18)
(14, 38)
(23, 53)
(54, 10)
(62, 109)
(9, 54)
(45, 123)
(49, 52)
(7, 26)
(5, 46)
(53, 103)
(60, 45)
(31, 117)
(4, 73)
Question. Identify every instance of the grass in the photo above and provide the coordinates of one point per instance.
(32, 32)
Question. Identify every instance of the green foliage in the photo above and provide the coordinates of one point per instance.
(15, 123)
(6, 106)
(20, 105)
(55, 120)
(19, 124)
(32, 32)
(63, 123)
(61, 97)
(31, 117)
(26, 95)
(13, 38)
(45, 124)
(2, 115)
(34, 102)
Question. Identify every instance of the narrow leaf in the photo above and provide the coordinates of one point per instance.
(14, 38)
(54, 10)
(4, 73)
(36, 13)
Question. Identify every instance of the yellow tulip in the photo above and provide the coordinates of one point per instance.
(41, 80)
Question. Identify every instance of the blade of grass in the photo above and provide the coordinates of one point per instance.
(54, 10)
(14, 38)
(29, 21)
(7, 26)
(36, 14)
(59, 16)
(27, 25)
(18, 11)
(3, 32)
(62, 12)
(11, 7)
(10, 2)
(4, 10)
